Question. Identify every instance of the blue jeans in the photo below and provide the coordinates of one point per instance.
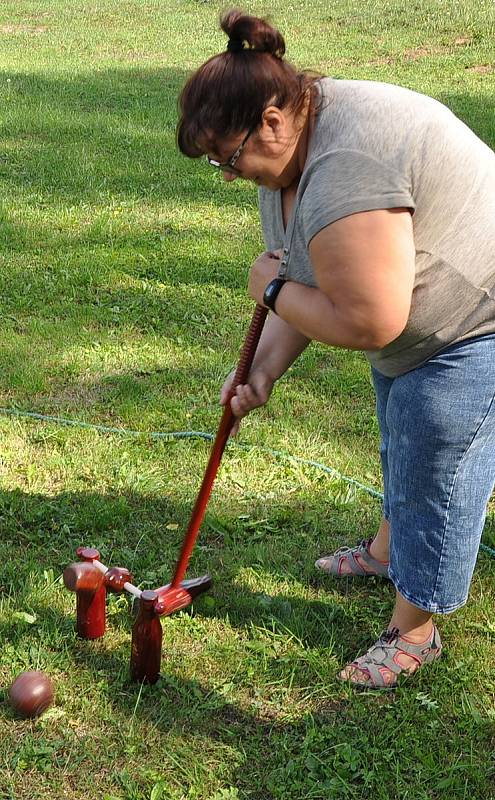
(437, 425)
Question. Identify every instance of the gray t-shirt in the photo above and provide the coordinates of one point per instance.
(376, 146)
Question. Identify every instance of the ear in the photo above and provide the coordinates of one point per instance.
(274, 125)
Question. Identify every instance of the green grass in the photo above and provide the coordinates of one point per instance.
(123, 303)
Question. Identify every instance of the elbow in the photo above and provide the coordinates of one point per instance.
(374, 331)
(376, 337)
(375, 343)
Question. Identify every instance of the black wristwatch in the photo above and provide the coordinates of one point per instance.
(272, 291)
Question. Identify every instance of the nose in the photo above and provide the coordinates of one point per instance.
(229, 176)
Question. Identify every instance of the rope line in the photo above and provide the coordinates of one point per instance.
(171, 435)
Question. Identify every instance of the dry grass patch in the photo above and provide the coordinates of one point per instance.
(414, 53)
(31, 30)
(75, 397)
(483, 69)
(424, 51)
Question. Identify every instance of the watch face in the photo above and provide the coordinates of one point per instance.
(271, 292)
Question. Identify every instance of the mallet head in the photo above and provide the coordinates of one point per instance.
(116, 577)
(83, 576)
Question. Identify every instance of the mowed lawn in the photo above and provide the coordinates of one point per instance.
(123, 270)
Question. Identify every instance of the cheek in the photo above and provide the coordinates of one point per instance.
(257, 166)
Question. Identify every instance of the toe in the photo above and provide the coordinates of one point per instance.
(324, 563)
(355, 675)
(334, 566)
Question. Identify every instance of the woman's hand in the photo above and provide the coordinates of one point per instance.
(247, 396)
(264, 270)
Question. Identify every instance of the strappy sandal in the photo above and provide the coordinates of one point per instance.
(355, 558)
(381, 663)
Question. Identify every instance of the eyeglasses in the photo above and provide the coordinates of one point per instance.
(230, 164)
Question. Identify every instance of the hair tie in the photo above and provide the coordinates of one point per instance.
(236, 45)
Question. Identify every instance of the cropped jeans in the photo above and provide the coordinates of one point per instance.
(437, 425)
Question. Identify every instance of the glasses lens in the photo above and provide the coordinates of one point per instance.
(223, 167)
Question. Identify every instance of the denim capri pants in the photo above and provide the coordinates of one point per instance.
(437, 425)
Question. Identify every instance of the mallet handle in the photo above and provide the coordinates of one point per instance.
(226, 422)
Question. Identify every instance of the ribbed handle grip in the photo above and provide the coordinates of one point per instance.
(249, 347)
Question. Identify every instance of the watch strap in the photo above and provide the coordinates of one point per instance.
(272, 291)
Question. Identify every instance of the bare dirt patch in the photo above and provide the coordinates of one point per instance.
(415, 53)
(141, 55)
(72, 397)
(32, 30)
(481, 68)
(380, 62)
(411, 54)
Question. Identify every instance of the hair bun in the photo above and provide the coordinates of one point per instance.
(246, 32)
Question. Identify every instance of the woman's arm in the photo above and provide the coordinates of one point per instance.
(364, 265)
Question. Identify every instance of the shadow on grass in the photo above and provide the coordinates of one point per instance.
(340, 747)
(41, 533)
(108, 132)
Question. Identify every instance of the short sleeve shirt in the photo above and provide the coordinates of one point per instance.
(380, 146)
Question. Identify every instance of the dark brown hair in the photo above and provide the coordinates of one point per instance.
(228, 93)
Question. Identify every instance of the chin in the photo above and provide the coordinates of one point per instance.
(272, 186)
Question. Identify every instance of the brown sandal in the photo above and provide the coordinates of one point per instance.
(355, 558)
(380, 665)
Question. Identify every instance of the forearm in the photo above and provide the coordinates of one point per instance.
(279, 346)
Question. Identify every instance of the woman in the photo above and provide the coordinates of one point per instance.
(378, 212)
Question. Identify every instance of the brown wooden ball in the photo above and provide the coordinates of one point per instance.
(31, 693)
